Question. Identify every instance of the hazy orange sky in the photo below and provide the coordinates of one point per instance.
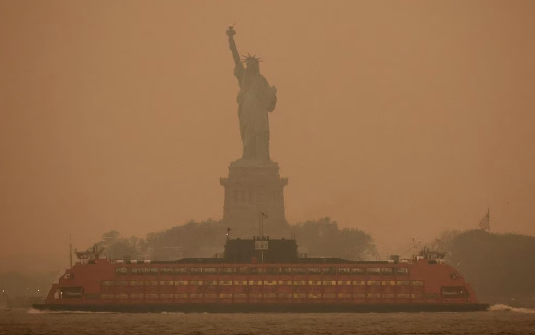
(401, 118)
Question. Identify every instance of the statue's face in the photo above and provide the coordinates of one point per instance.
(253, 66)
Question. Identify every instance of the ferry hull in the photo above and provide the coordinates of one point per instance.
(267, 308)
(237, 283)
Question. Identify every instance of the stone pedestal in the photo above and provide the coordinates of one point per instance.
(251, 189)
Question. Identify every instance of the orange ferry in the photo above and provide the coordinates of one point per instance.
(262, 275)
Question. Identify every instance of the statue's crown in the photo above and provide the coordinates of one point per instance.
(250, 58)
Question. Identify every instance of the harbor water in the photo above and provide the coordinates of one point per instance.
(500, 319)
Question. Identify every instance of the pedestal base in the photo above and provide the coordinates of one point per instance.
(253, 188)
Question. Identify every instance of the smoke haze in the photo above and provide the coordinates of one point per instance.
(400, 118)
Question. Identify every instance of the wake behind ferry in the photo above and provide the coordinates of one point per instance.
(262, 275)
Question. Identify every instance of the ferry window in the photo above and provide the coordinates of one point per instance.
(180, 270)
(314, 271)
(242, 270)
(329, 295)
(432, 296)
(285, 282)
(284, 295)
(136, 296)
(314, 282)
(195, 282)
(106, 296)
(151, 282)
(403, 282)
(225, 282)
(344, 282)
(388, 282)
(299, 271)
(209, 282)
(328, 271)
(151, 271)
(196, 295)
(387, 271)
(329, 282)
(358, 271)
(257, 270)
(121, 283)
(388, 296)
(209, 271)
(240, 295)
(106, 283)
(166, 271)
(373, 271)
(403, 296)
(255, 295)
(270, 282)
(255, 282)
(272, 271)
(136, 282)
(299, 295)
(167, 295)
(359, 295)
(167, 282)
(121, 296)
(344, 270)
(181, 295)
(314, 295)
(417, 296)
(344, 295)
(210, 295)
(417, 283)
(137, 271)
(358, 282)
(181, 282)
(195, 270)
(227, 271)
(240, 282)
(151, 295)
(373, 295)
(373, 282)
(285, 270)
(225, 295)
(299, 282)
(121, 271)
(270, 295)
(454, 292)
(402, 271)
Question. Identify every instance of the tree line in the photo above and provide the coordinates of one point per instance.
(316, 238)
(500, 267)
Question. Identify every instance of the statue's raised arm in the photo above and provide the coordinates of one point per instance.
(232, 44)
(255, 100)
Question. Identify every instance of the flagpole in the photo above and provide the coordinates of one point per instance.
(261, 223)
(70, 249)
(484, 223)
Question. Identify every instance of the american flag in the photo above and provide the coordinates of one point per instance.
(484, 224)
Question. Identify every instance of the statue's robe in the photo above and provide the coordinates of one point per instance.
(256, 98)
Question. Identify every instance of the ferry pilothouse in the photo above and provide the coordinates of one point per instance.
(262, 275)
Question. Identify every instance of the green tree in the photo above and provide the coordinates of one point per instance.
(499, 266)
(323, 238)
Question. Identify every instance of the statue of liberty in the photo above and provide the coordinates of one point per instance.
(255, 99)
